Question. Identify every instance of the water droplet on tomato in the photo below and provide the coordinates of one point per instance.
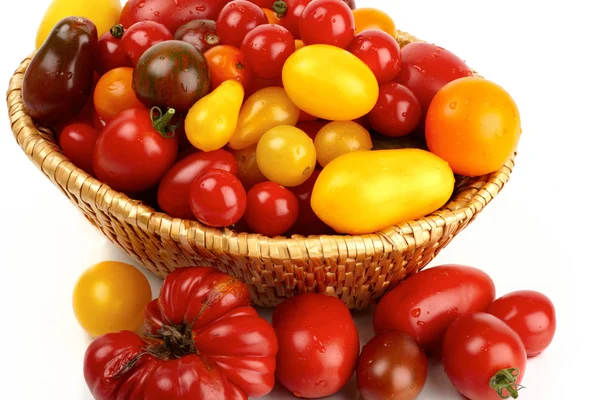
(156, 14)
(201, 8)
(453, 105)
(141, 4)
(416, 312)
(420, 323)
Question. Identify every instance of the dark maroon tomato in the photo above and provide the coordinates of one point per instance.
(266, 49)
(174, 189)
(60, 77)
(272, 209)
(327, 22)
(237, 19)
(380, 51)
(77, 142)
(217, 198)
(290, 12)
(141, 36)
(391, 366)
(308, 223)
(397, 111)
(110, 54)
(531, 315)
(200, 33)
(427, 68)
(171, 74)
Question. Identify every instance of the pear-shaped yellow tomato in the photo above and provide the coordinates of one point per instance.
(103, 13)
(364, 192)
(211, 122)
(330, 83)
(264, 110)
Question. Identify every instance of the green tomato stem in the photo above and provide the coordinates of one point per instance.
(280, 7)
(117, 31)
(506, 379)
(160, 121)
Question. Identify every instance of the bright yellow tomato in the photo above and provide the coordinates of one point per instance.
(330, 83)
(103, 13)
(110, 297)
(372, 18)
(211, 122)
(367, 191)
(286, 155)
(265, 109)
(341, 137)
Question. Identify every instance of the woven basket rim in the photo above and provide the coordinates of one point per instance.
(38, 144)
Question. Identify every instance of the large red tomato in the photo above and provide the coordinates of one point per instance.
(203, 342)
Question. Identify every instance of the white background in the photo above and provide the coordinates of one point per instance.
(541, 233)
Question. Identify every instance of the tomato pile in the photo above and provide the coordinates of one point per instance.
(333, 126)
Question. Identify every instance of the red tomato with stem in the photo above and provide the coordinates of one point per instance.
(308, 223)
(266, 49)
(217, 198)
(175, 186)
(109, 53)
(77, 142)
(200, 33)
(327, 22)
(289, 13)
(380, 51)
(318, 344)
(141, 36)
(272, 209)
(135, 150)
(225, 63)
(483, 357)
(237, 19)
(397, 111)
(531, 314)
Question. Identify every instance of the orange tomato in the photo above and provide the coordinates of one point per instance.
(474, 125)
(372, 18)
(225, 63)
(299, 44)
(114, 93)
(271, 16)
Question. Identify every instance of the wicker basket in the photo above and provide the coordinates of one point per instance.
(357, 269)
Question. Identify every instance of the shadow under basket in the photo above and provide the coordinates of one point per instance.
(356, 269)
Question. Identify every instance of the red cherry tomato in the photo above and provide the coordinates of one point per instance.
(308, 223)
(266, 48)
(140, 36)
(530, 314)
(77, 142)
(327, 22)
(200, 33)
(225, 63)
(311, 128)
(110, 54)
(237, 19)
(289, 13)
(380, 51)
(217, 198)
(397, 111)
(134, 151)
(174, 189)
(483, 357)
(272, 209)
(318, 344)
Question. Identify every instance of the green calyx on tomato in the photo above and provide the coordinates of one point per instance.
(280, 7)
(117, 31)
(160, 121)
(506, 379)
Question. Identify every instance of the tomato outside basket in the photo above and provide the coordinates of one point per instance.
(356, 269)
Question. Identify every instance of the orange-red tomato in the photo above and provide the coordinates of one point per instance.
(225, 63)
(271, 16)
(114, 93)
(372, 18)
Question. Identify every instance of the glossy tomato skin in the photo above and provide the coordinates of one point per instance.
(427, 68)
(531, 315)
(318, 345)
(397, 111)
(272, 209)
(77, 142)
(114, 93)
(238, 18)
(200, 33)
(130, 155)
(171, 13)
(327, 22)
(142, 35)
(227, 62)
(110, 54)
(217, 198)
(308, 223)
(175, 186)
(476, 347)
(218, 348)
(248, 172)
(372, 18)
(266, 49)
(383, 360)
(311, 128)
(290, 13)
(380, 51)
(425, 304)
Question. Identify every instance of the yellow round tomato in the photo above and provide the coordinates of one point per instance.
(474, 125)
(372, 18)
(114, 94)
(110, 297)
(338, 138)
(286, 155)
(330, 83)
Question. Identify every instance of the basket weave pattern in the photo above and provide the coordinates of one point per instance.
(357, 269)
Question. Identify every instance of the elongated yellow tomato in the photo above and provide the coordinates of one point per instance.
(364, 192)
(103, 13)
(330, 83)
(264, 110)
(211, 122)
